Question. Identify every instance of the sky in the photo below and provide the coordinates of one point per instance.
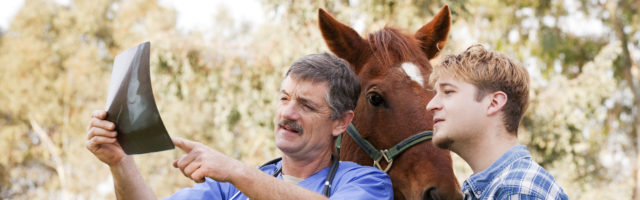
(198, 14)
(192, 14)
(7, 10)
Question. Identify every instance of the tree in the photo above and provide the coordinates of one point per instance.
(219, 86)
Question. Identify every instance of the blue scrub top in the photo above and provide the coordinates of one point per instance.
(352, 181)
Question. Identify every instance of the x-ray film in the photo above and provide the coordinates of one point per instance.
(131, 106)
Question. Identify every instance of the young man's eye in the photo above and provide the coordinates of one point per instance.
(448, 91)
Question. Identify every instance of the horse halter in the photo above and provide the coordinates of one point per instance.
(387, 154)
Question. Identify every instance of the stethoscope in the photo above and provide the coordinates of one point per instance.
(326, 190)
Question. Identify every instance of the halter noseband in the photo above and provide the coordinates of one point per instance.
(387, 154)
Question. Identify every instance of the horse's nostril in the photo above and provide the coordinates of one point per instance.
(430, 194)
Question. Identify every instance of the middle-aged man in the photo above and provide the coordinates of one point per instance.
(316, 103)
(480, 99)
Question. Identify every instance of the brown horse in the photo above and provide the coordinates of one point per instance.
(394, 69)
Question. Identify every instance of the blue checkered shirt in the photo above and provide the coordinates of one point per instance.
(513, 176)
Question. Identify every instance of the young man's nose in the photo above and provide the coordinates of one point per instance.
(434, 104)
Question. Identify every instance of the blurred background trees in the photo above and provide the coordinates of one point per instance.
(219, 86)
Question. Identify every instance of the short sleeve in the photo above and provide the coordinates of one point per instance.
(364, 183)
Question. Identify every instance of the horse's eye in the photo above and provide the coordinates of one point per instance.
(375, 99)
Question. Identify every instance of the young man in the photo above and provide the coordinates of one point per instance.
(317, 99)
(480, 99)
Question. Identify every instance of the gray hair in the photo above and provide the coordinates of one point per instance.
(344, 86)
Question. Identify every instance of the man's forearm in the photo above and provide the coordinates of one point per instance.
(128, 181)
(255, 184)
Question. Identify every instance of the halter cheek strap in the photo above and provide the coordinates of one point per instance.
(387, 154)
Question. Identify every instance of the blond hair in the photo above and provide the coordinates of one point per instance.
(490, 71)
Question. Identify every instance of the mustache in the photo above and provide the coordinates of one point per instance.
(292, 125)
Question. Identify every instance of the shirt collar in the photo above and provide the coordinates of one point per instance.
(479, 182)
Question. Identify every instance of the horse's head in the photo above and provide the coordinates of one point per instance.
(394, 70)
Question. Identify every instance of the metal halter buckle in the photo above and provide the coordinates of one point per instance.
(376, 163)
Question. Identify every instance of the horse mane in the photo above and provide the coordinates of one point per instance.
(390, 46)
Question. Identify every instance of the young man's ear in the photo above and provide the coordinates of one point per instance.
(497, 101)
(342, 123)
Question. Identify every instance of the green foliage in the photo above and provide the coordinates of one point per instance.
(574, 52)
(555, 130)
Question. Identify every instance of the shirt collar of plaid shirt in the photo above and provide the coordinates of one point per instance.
(480, 182)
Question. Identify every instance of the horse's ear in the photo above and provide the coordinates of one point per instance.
(433, 35)
(343, 41)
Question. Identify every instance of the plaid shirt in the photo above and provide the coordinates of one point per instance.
(513, 176)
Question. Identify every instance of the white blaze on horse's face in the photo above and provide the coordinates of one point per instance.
(413, 72)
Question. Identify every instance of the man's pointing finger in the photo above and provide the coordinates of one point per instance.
(183, 144)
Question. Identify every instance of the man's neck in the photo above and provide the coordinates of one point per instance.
(305, 167)
(484, 151)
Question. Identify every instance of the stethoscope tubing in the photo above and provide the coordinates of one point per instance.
(327, 183)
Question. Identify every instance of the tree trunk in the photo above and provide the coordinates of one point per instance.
(636, 170)
(635, 89)
(627, 65)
